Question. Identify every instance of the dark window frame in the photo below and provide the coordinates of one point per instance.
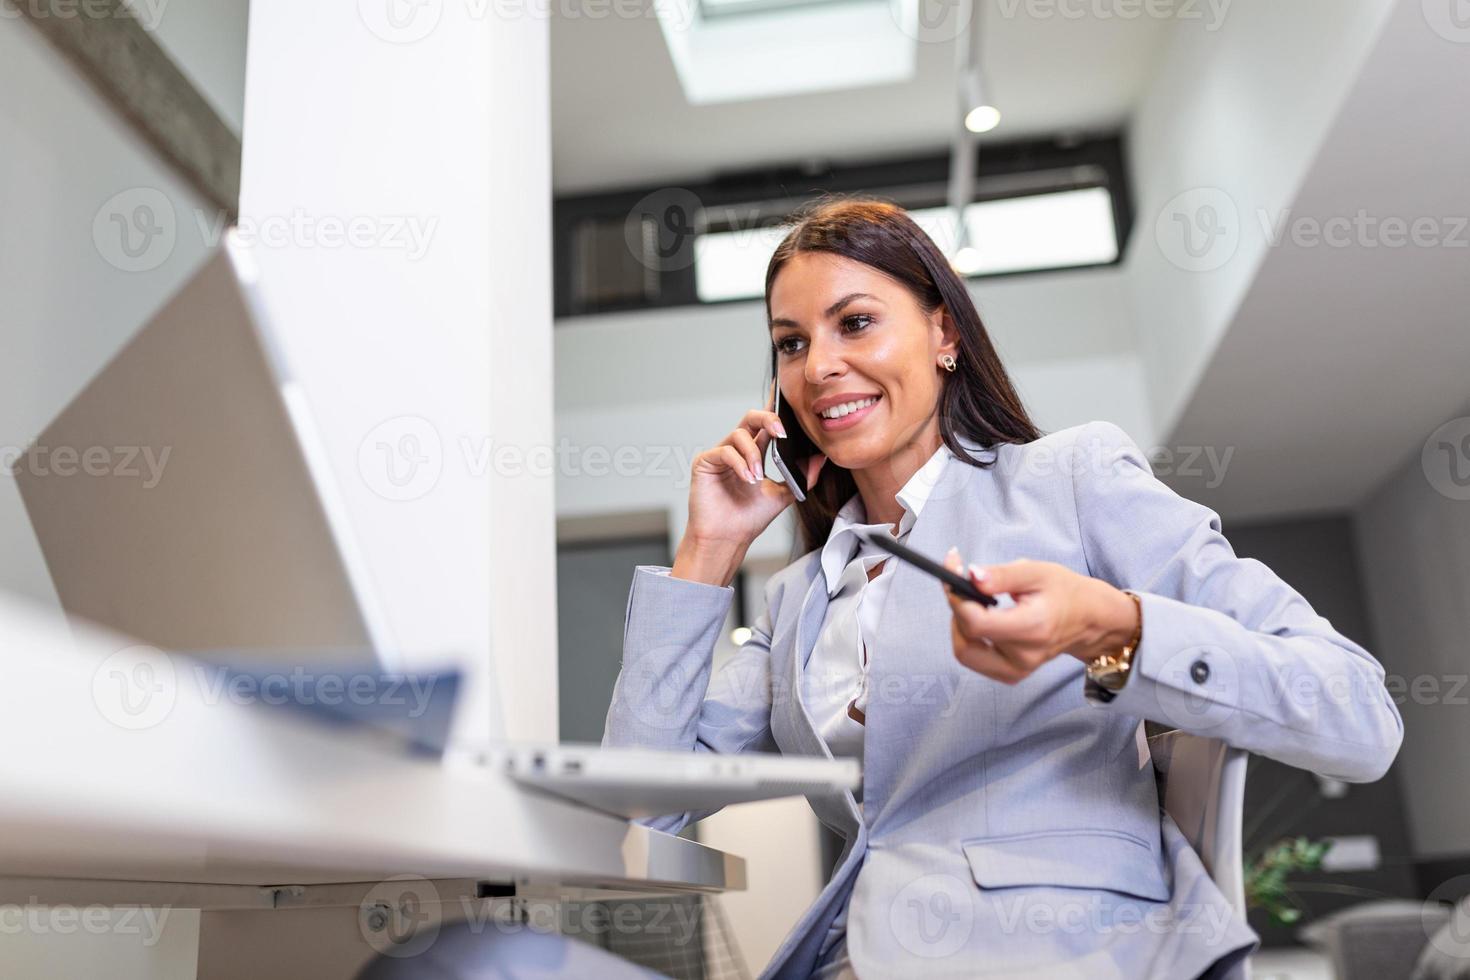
(767, 196)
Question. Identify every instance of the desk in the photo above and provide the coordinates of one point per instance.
(249, 812)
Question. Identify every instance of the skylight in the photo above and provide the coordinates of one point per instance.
(736, 50)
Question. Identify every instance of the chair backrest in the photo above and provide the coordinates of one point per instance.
(1202, 786)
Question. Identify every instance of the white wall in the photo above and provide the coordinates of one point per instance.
(1413, 540)
(431, 333)
(1228, 127)
(69, 164)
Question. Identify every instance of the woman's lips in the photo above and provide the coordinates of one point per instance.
(850, 419)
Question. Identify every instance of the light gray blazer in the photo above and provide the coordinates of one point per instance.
(1016, 830)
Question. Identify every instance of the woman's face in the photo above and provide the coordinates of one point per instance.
(845, 332)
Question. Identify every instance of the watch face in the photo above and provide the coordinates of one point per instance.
(1110, 674)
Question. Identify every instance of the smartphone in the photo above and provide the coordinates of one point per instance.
(790, 455)
(959, 583)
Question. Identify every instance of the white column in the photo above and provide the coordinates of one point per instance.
(396, 187)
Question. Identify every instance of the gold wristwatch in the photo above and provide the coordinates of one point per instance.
(1108, 672)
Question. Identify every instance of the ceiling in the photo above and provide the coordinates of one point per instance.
(1366, 345)
(619, 118)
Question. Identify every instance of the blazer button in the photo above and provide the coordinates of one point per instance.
(1199, 671)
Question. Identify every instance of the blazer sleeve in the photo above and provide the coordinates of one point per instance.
(1228, 649)
(665, 697)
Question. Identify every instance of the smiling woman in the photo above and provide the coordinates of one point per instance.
(863, 306)
(1021, 791)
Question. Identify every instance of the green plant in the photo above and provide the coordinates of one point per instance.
(1266, 885)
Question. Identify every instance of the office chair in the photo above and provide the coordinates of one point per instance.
(1202, 786)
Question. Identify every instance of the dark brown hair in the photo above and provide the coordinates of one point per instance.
(977, 401)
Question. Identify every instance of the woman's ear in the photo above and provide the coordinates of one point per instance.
(949, 334)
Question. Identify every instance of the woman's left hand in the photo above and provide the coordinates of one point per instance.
(1056, 611)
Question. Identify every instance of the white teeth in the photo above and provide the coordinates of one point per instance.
(837, 411)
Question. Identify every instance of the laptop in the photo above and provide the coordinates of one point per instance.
(228, 540)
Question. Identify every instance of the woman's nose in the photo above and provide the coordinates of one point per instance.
(823, 362)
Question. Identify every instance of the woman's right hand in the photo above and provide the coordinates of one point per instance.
(726, 509)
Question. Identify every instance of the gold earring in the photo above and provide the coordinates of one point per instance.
(948, 361)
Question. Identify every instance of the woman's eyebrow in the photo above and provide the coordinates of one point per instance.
(830, 312)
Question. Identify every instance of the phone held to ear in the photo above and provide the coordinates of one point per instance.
(793, 473)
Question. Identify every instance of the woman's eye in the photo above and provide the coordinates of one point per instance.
(787, 345)
(857, 321)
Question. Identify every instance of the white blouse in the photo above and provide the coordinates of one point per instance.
(834, 682)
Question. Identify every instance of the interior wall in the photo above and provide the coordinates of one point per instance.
(1212, 146)
(1413, 534)
(1319, 558)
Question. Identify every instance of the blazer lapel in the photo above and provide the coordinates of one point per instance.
(790, 723)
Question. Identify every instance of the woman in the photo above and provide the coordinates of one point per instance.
(1008, 822)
